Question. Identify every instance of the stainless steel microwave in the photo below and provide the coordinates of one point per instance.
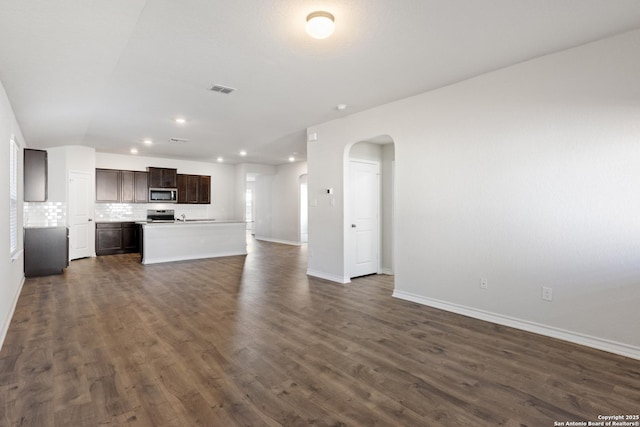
(163, 195)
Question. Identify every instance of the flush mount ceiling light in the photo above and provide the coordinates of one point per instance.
(320, 25)
(292, 159)
(243, 153)
(220, 159)
(181, 120)
(134, 151)
(147, 142)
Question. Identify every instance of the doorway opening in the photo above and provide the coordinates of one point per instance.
(250, 202)
(304, 210)
(369, 213)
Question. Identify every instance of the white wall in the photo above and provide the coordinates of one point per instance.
(11, 271)
(366, 151)
(243, 170)
(63, 159)
(263, 221)
(278, 204)
(223, 178)
(57, 174)
(527, 176)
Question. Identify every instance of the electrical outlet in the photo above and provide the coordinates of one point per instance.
(484, 284)
(547, 293)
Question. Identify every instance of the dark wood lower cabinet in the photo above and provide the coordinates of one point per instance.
(130, 240)
(117, 238)
(46, 251)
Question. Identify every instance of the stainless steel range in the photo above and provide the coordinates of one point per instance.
(161, 215)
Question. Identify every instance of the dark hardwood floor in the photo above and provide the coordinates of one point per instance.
(253, 341)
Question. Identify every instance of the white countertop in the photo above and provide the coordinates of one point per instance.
(191, 222)
(119, 220)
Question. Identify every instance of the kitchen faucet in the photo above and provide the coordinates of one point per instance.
(184, 218)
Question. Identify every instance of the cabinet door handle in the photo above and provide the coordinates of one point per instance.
(90, 219)
(353, 226)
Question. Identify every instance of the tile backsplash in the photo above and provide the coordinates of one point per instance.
(45, 214)
(54, 214)
(138, 211)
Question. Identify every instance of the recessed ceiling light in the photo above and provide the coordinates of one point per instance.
(341, 107)
(181, 120)
(147, 142)
(134, 151)
(243, 153)
(220, 159)
(292, 159)
(320, 25)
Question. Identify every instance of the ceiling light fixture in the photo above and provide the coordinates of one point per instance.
(243, 153)
(341, 107)
(181, 120)
(292, 159)
(320, 25)
(147, 142)
(220, 159)
(134, 151)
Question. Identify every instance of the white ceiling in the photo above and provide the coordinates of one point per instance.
(110, 73)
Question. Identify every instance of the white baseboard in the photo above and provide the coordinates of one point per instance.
(7, 321)
(387, 271)
(284, 242)
(525, 325)
(327, 276)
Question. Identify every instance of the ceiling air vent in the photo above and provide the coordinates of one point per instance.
(177, 140)
(222, 89)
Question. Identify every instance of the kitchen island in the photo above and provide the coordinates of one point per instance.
(196, 239)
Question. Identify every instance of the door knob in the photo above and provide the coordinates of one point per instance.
(90, 219)
(353, 226)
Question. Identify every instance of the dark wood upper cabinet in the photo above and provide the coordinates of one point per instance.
(182, 188)
(193, 184)
(118, 186)
(194, 189)
(155, 177)
(107, 185)
(204, 191)
(35, 175)
(127, 186)
(163, 177)
(141, 194)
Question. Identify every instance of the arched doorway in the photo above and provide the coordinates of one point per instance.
(369, 201)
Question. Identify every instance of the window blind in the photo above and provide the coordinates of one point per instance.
(13, 194)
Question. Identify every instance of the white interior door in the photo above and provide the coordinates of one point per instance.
(364, 211)
(81, 226)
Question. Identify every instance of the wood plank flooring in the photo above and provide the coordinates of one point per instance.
(253, 341)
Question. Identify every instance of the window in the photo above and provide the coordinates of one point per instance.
(13, 194)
